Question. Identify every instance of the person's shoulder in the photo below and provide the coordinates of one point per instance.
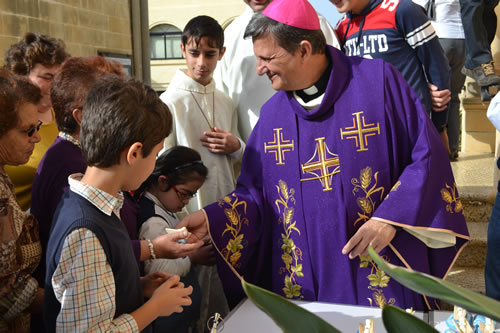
(5, 188)
(342, 23)
(238, 25)
(407, 9)
(224, 98)
(62, 155)
(365, 69)
(60, 150)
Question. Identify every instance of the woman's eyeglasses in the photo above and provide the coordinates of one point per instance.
(30, 131)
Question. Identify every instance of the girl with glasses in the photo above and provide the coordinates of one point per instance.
(178, 174)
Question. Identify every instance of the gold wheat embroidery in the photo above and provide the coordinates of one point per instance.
(292, 255)
(232, 251)
(377, 277)
(451, 199)
(365, 202)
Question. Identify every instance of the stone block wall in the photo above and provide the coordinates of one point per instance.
(86, 26)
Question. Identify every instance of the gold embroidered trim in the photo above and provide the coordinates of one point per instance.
(292, 255)
(451, 199)
(232, 251)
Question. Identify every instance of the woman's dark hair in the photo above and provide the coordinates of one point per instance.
(14, 91)
(34, 49)
(180, 164)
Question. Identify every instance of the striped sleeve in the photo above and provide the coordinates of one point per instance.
(421, 35)
(83, 283)
(412, 21)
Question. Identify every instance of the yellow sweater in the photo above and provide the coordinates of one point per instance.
(22, 176)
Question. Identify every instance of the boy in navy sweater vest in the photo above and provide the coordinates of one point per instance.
(92, 280)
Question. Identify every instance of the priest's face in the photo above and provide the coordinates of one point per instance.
(278, 64)
(201, 59)
(257, 5)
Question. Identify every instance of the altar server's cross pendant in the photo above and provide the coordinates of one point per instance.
(278, 146)
(323, 164)
(359, 131)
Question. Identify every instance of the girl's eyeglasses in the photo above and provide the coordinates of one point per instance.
(182, 195)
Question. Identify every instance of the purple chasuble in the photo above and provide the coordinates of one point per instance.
(310, 179)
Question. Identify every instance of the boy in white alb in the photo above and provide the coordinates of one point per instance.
(205, 119)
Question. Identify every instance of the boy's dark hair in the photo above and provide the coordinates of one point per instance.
(286, 36)
(14, 91)
(204, 26)
(34, 49)
(180, 164)
(71, 85)
(118, 112)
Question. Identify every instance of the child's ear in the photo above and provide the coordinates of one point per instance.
(183, 50)
(162, 181)
(77, 115)
(221, 53)
(134, 152)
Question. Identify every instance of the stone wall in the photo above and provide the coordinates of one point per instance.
(86, 26)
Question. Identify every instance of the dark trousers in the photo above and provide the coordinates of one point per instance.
(181, 322)
(480, 24)
(455, 52)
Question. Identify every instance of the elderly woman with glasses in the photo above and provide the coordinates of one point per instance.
(38, 58)
(20, 250)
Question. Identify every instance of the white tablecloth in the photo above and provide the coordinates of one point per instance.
(247, 318)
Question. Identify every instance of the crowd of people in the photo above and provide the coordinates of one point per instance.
(285, 148)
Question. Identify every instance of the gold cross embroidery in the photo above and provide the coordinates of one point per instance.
(360, 131)
(278, 146)
(322, 165)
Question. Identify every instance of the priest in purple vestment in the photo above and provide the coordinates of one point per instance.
(343, 156)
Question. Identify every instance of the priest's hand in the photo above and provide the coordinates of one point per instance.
(220, 142)
(205, 255)
(440, 98)
(373, 233)
(167, 246)
(197, 224)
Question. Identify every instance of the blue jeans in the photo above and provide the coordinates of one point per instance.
(455, 52)
(480, 23)
(492, 267)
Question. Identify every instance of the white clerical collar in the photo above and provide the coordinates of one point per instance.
(311, 90)
(312, 104)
